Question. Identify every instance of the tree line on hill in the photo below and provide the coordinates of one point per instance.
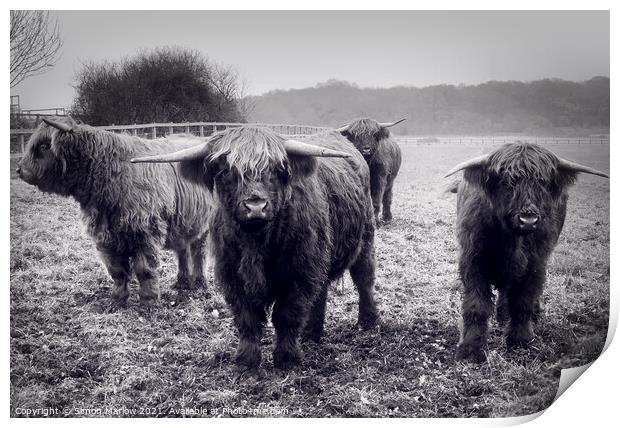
(549, 106)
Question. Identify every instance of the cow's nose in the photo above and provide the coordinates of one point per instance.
(255, 207)
(528, 219)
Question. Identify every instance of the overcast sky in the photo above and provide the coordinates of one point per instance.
(283, 50)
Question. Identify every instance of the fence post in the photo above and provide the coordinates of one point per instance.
(202, 131)
(21, 142)
(187, 129)
(154, 133)
(134, 131)
(170, 130)
(214, 129)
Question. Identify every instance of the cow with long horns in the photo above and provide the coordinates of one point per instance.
(129, 212)
(383, 156)
(290, 218)
(511, 206)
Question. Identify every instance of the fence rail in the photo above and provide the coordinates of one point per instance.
(154, 130)
(501, 140)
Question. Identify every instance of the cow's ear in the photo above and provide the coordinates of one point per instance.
(563, 180)
(301, 166)
(382, 133)
(196, 171)
(479, 177)
(347, 135)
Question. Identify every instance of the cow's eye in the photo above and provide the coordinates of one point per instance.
(44, 147)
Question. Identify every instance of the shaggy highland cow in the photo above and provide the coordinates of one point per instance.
(383, 156)
(129, 211)
(511, 206)
(289, 220)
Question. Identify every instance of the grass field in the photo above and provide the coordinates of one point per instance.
(72, 349)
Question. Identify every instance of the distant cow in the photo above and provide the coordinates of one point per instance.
(511, 206)
(129, 211)
(291, 218)
(383, 156)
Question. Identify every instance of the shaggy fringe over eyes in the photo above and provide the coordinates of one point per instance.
(367, 128)
(517, 161)
(249, 150)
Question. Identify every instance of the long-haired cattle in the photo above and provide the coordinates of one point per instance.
(128, 211)
(511, 206)
(383, 156)
(290, 218)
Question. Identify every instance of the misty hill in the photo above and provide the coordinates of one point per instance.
(549, 106)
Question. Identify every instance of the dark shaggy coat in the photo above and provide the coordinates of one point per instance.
(383, 156)
(129, 210)
(510, 212)
(316, 223)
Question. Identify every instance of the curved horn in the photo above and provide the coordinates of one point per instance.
(574, 166)
(294, 147)
(190, 153)
(343, 128)
(58, 125)
(388, 124)
(477, 161)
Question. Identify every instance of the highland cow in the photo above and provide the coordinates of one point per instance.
(129, 211)
(383, 156)
(290, 218)
(511, 206)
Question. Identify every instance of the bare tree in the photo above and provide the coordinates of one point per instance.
(35, 43)
(228, 84)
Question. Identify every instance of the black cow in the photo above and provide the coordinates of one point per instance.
(383, 156)
(129, 212)
(290, 218)
(511, 206)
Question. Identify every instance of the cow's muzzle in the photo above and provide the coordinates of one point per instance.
(528, 221)
(256, 208)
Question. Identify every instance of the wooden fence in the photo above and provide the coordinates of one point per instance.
(154, 130)
(202, 129)
(501, 140)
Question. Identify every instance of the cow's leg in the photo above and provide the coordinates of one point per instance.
(184, 274)
(199, 253)
(316, 318)
(522, 301)
(538, 309)
(477, 307)
(118, 267)
(363, 275)
(377, 188)
(250, 320)
(387, 202)
(501, 308)
(145, 265)
(289, 315)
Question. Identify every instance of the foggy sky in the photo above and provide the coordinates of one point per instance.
(283, 50)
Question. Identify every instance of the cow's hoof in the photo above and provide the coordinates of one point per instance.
(286, 359)
(120, 295)
(248, 356)
(148, 296)
(199, 283)
(521, 338)
(182, 283)
(474, 354)
(368, 321)
(246, 374)
(311, 335)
